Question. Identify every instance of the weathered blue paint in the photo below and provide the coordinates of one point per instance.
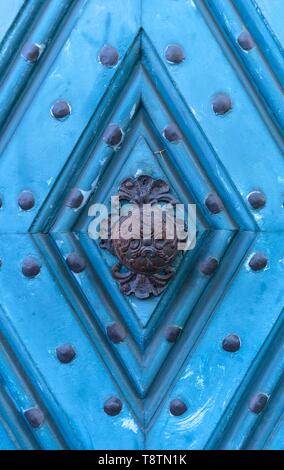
(231, 155)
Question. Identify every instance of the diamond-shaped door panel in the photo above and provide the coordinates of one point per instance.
(144, 149)
(140, 112)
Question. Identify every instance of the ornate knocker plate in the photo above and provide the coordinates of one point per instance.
(144, 266)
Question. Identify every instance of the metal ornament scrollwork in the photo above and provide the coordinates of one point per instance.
(145, 265)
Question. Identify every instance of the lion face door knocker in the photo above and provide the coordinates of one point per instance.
(144, 266)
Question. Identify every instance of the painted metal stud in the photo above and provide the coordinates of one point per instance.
(172, 133)
(231, 343)
(258, 402)
(60, 109)
(258, 262)
(76, 262)
(26, 200)
(245, 41)
(209, 266)
(222, 104)
(113, 406)
(177, 407)
(65, 353)
(74, 198)
(113, 135)
(256, 199)
(108, 56)
(31, 52)
(30, 267)
(34, 416)
(174, 54)
(214, 203)
(172, 333)
(116, 333)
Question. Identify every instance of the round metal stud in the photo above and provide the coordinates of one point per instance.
(174, 54)
(258, 402)
(222, 104)
(31, 52)
(113, 406)
(60, 109)
(34, 416)
(108, 56)
(172, 333)
(177, 407)
(256, 199)
(246, 41)
(65, 353)
(214, 203)
(258, 262)
(30, 267)
(116, 333)
(74, 199)
(172, 134)
(231, 343)
(26, 200)
(209, 266)
(113, 135)
(76, 262)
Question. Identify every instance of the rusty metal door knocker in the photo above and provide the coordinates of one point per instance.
(144, 266)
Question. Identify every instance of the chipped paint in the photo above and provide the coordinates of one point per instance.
(130, 424)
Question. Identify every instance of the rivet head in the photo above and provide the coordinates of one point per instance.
(172, 134)
(174, 54)
(30, 267)
(65, 353)
(116, 333)
(258, 262)
(74, 199)
(177, 407)
(231, 343)
(108, 56)
(76, 262)
(60, 109)
(258, 402)
(26, 200)
(35, 417)
(113, 135)
(113, 406)
(214, 203)
(209, 266)
(246, 41)
(222, 103)
(172, 333)
(256, 199)
(31, 52)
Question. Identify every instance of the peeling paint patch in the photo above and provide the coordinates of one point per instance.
(195, 419)
(132, 112)
(128, 423)
(192, 4)
(188, 373)
(138, 172)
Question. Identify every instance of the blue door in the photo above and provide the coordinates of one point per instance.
(171, 99)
